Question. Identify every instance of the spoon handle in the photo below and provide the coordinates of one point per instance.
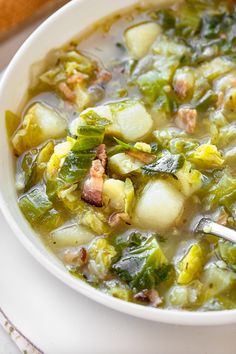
(208, 226)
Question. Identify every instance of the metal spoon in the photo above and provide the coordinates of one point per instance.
(207, 226)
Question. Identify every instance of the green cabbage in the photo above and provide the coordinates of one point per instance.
(167, 163)
(206, 156)
(141, 262)
(191, 265)
(222, 193)
(227, 252)
(101, 254)
(31, 166)
(184, 296)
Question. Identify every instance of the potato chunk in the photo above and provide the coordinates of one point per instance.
(39, 124)
(134, 122)
(114, 193)
(159, 206)
(128, 119)
(139, 38)
(123, 164)
(71, 236)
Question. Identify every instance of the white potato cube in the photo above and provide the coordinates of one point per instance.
(114, 193)
(71, 236)
(134, 122)
(139, 38)
(159, 206)
(51, 124)
(123, 164)
(129, 119)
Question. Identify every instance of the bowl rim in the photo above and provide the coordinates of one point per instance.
(170, 316)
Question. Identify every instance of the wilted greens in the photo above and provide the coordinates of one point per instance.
(124, 142)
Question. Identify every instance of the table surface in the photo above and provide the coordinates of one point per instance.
(60, 321)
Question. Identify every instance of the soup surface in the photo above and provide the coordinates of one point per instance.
(125, 142)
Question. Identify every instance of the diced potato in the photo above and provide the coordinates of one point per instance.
(129, 119)
(134, 121)
(139, 38)
(51, 124)
(160, 205)
(191, 265)
(102, 111)
(217, 280)
(39, 124)
(123, 164)
(114, 193)
(71, 236)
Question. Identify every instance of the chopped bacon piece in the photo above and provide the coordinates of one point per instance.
(187, 119)
(93, 185)
(77, 78)
(77, 257)
(102, 155)
(181, 88)
(115, 219)
(149, 296)
(68, 93)
(144, 157)
(97, 170)
(103, 76)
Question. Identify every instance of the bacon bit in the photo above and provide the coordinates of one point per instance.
(93, 185)
(97, 170)
(181, 88)
(115, 219)
(77, 78)
(68, 93)
(187, 119)
(78, 257)
(149, 296)
(101, 154)
(103, 77)
(144, 157)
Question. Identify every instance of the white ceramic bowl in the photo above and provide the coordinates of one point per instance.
(66, 23)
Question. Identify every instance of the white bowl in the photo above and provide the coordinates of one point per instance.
(65, 24)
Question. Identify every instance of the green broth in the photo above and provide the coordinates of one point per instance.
(155, 91)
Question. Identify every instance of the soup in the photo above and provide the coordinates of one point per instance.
(126, 140)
